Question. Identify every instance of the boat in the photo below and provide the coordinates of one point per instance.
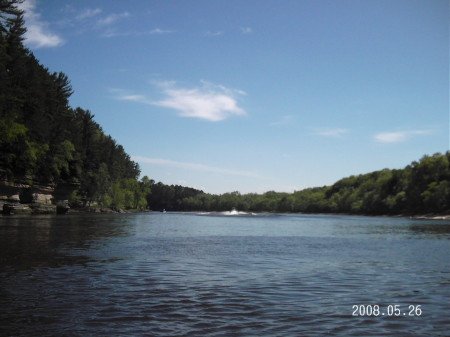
(234, 211)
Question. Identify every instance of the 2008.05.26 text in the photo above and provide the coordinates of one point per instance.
(387, 310)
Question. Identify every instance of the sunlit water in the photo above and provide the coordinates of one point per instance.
(176, 274)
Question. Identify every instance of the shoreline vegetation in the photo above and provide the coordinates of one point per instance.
(97, 210)
(420, 190)
(55, 157)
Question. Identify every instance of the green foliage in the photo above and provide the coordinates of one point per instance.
(127, 194)
(11, 132)
(173, 197)
(421, 187)
(41, 137)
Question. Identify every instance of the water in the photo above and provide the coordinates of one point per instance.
(177, 274)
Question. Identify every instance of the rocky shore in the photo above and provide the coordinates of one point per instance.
(25, 198)
(22, 198)
(10, 208)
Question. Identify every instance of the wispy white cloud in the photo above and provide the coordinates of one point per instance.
(159, 31)
(105, 24)
(285, 120)
(135, 98)
(330, 132)
(88, 13)
(210, 102)
(124, 95)
(38, 34)
(112, 18)
(114, 33)
(213, 34)
(246, 30)
(68, 9)
(399, 136)
(195, 167)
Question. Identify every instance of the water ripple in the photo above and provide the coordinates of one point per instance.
(116, 276)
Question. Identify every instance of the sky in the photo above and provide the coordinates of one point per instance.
(255, 95)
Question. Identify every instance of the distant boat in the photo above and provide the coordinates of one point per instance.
(234, 211)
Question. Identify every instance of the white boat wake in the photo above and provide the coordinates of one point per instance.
(233, 212)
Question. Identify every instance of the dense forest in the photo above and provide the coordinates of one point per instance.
(422, 187)
(45, 141)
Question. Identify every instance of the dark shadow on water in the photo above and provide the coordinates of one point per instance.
(431, 228)
(54, 241)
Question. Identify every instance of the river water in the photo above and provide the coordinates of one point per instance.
(185, 274)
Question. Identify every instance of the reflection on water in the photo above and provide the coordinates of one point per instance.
(28, 242)
(178, 274)
(431, 229)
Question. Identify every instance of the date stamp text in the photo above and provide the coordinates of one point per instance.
(375, 310)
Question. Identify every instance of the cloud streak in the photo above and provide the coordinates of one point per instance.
(88, 13)
(112, 18)
(37, 35)
(285, 120)
(208, 102)
(213, 34)
(195, 167)
(246, 30)
(330, 132)
(156, 31)
(398, 136)
(159, 31)
(105, 24)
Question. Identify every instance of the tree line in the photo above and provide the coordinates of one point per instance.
(421, 187)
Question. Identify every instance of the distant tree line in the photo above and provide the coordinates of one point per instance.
(44, 140)
(422, 187)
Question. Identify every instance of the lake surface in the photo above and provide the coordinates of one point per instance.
(179, 274)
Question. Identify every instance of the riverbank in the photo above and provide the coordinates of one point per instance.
(106, 210)
(33, 209)
(50, 209)
(432, 217)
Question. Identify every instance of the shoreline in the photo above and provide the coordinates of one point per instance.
(431, 217)
(32, 209)
(108, 210)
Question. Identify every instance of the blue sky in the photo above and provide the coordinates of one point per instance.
(255, 95)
